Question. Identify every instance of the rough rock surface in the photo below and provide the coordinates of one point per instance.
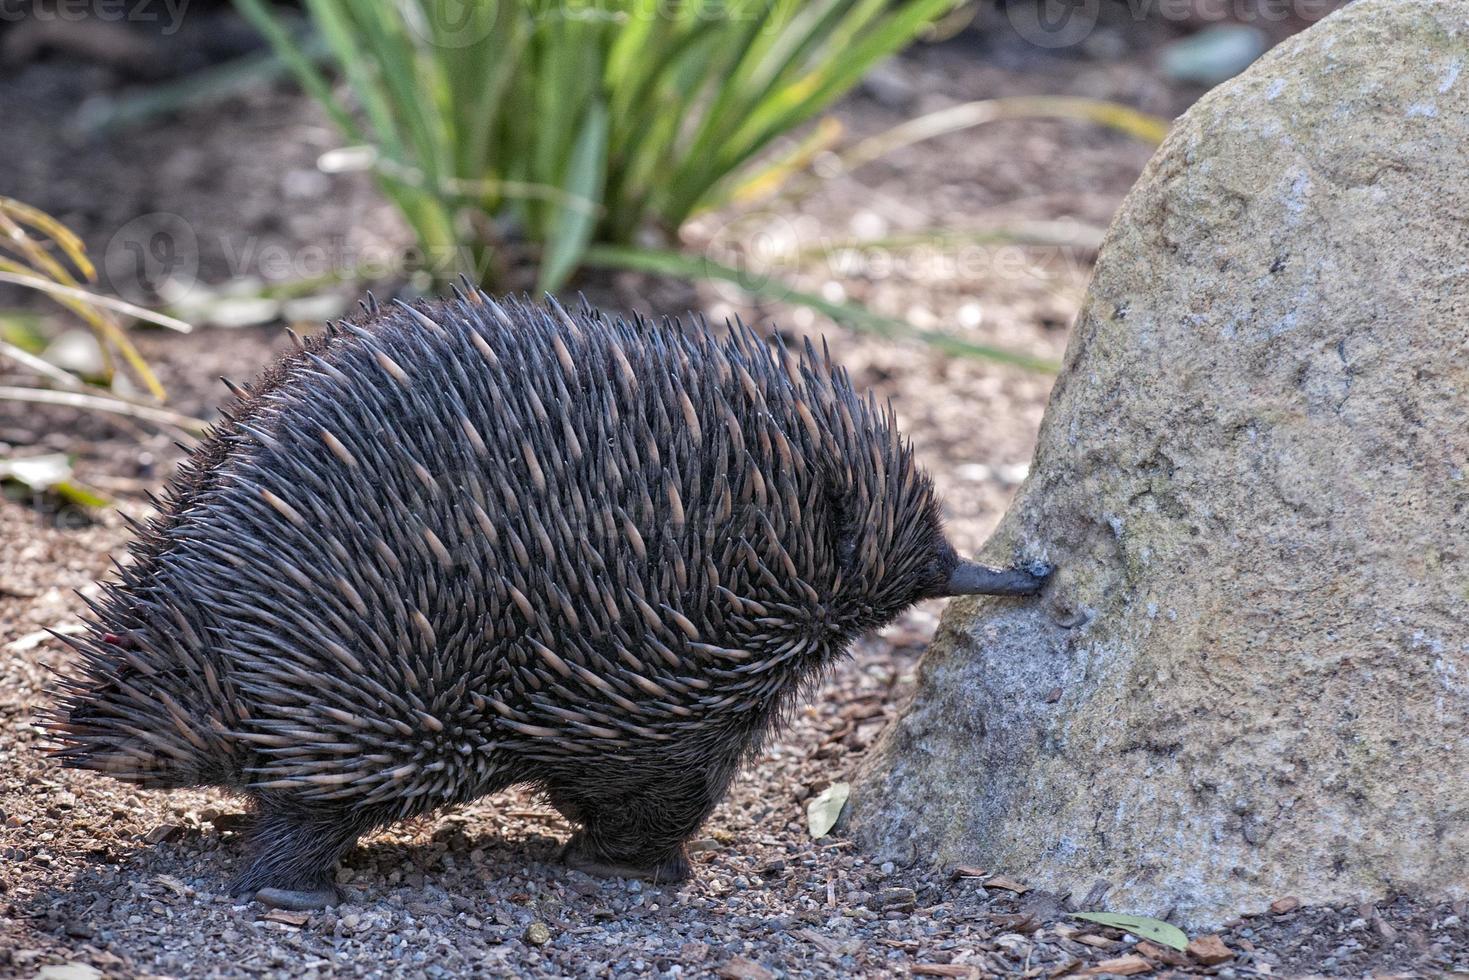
(1251, 676)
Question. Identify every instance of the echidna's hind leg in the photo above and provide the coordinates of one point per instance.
(636, 833)
(294, 855)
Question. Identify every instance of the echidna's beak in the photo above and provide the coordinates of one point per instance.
(972, 578)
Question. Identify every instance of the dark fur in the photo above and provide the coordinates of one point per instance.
(432, 555)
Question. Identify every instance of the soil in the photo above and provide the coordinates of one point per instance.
(95, 874)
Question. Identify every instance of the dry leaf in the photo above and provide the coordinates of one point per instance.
(1065, 968)
(69, 971)
(822, 812)
(1100, 942)
(173, 884)
(1007, 884)
(740, 968)
(1142, 926)
(1210, 950)
(32, 640)
(824, 943)
(1283, 905)
(1122, 966)
(294, 919)
(1024, 923)
(1161, 953)
(160, 833)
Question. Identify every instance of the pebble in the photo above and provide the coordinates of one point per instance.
(894, 899)
(160, 833)
(890, 85)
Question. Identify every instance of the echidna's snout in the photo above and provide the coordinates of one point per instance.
(972, 578)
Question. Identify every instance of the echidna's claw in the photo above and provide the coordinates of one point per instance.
(297, 901)
(670, 870)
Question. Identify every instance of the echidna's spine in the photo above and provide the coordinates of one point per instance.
(146, 702)
(140, 713)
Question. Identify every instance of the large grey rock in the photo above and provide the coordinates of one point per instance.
(1251, 676)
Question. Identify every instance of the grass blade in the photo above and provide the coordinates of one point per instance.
(1145, 127)
(96, 299)
(698, 268)
(575, 220)
(301, 64)
(463, 100)
(101, 115)
(105, 403)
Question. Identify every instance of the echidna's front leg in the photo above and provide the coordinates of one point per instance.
(294, 856)
(638, 833)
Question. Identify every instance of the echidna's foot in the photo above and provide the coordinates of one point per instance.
(581, 855)
(285, 891)
(294, 858)
(295, 900)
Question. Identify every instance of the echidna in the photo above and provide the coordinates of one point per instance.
(439, 550)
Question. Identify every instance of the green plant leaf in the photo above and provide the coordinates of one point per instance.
(81, 496)
(461, 101)
(1139, 925)
(22, 328)
(823, 812)
(577, 217)
(301, 63)
(49, 473)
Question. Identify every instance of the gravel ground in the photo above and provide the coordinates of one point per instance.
(128, 883)
(95, 876)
